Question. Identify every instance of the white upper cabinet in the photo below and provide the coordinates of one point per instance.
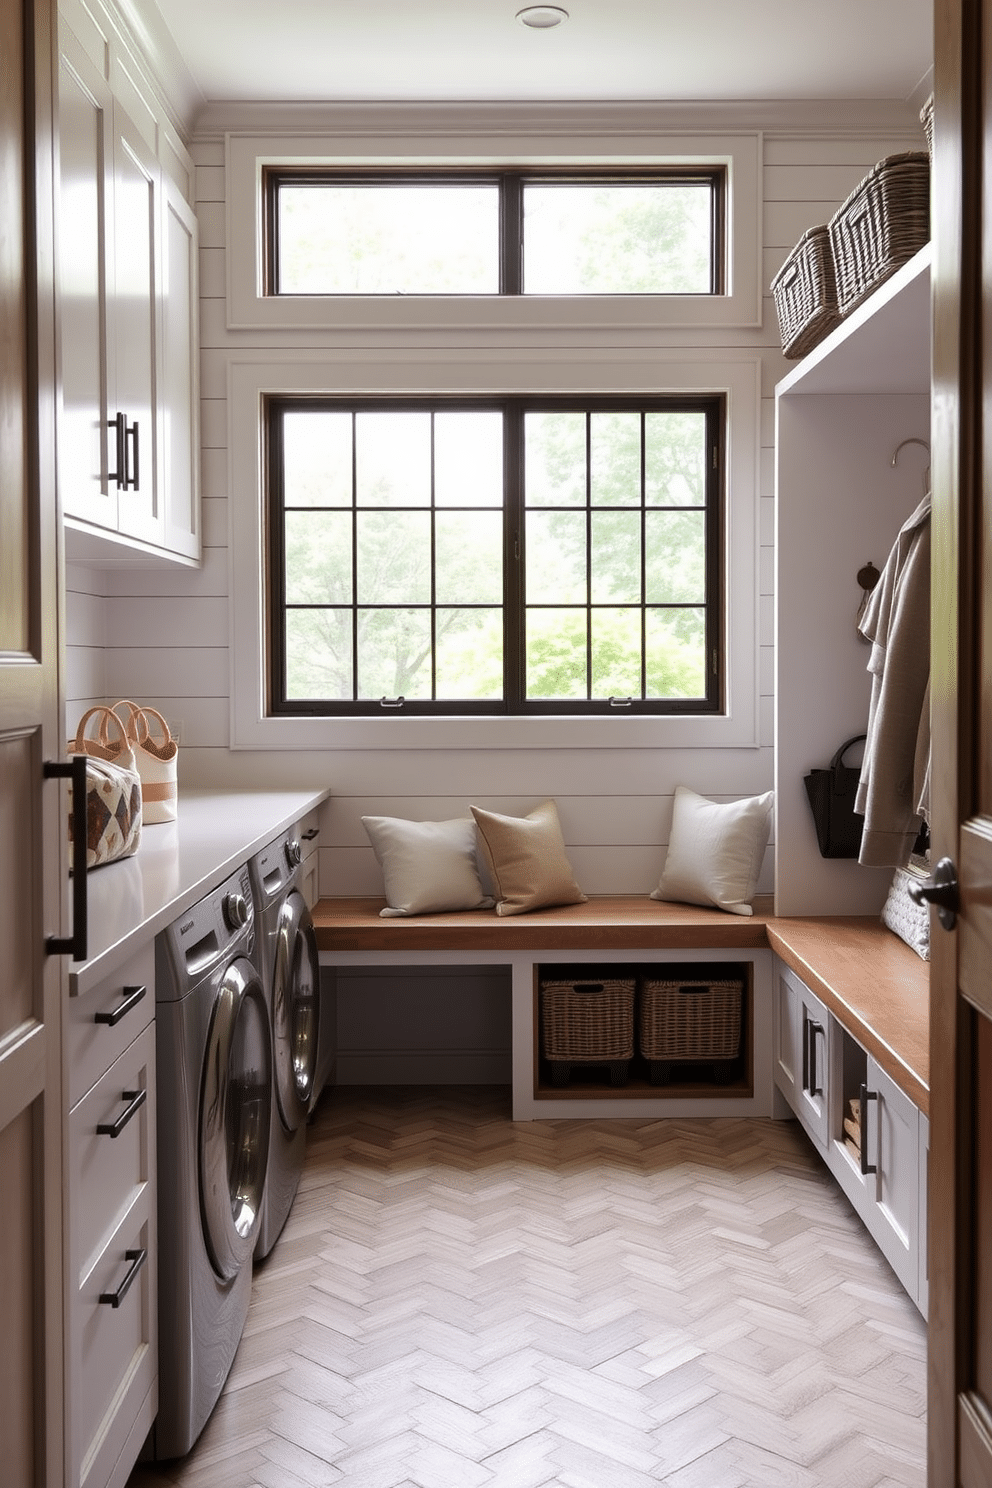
(180, 399)
(128, 456)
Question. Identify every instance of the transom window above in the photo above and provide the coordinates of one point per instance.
(506, 233)
(512, 555)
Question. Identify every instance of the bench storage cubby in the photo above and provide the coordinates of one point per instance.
(586, 1020)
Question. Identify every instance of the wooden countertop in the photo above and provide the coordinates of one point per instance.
(874, 984)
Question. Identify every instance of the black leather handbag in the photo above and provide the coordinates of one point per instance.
(831, 795)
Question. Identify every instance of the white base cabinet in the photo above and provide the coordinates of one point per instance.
(837, 1090)
(111, 1293)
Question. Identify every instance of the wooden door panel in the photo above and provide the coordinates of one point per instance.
(19, 1246)
(31, 825)
(19, 875)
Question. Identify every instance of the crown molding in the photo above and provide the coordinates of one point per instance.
(832, 117)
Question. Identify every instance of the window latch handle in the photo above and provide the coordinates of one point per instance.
(385, 702)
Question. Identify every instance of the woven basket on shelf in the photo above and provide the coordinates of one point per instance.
(588, 1021)
(926, 119)
(805, 293)
(690, 1020)
(885, 220)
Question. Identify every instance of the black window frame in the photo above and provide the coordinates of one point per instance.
(510, 184)
(514, 702)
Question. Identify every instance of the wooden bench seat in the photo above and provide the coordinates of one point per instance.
(601, 924)
(874, 984)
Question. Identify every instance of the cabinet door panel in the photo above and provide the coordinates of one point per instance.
(136, 327)
(92, 1041)
(108, 1171)
(787, 1038)
(892, 1139)
(86, 154)
(180, 383)
(813, 1065)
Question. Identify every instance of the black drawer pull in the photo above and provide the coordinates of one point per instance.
(309, 836)
(113, 1129)
(132, 996)
(137, 1259)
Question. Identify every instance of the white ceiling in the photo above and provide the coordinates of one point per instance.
(474, 50)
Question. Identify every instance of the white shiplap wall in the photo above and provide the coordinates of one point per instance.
(164, 636)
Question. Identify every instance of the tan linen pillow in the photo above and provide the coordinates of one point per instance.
(527, 860)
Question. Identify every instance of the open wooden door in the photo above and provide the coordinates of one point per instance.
(960, 1396)
(31, 823)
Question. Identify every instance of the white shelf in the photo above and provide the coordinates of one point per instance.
(840, 415)
(882, 347)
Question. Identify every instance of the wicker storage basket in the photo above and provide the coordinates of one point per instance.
(690, 1021)
(805, 293)
(926, 119)
(883, 223)
(587, 1022)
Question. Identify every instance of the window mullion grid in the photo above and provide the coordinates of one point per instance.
(644, 557)
(354, 556)
(715, 518)
(433, 562)
(588, 557)
(514, 544)
(511, 237)
(279, 668)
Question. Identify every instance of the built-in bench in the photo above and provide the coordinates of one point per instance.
(874, 985)
(836, 1016)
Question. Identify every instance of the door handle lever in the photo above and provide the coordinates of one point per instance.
(941, 891)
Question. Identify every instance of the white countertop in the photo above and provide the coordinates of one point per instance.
(177, 863)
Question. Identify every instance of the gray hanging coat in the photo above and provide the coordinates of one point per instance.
(894, 784)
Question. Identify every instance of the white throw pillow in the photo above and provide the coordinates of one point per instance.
(427, 867)
(715, 851)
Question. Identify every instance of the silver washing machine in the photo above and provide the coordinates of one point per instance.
(287, 960)
(214, 1111)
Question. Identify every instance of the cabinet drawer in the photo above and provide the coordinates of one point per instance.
(114, 1363)
(102, 1022)
(111, 1149)
(306, 832)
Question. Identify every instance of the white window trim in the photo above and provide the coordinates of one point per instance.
(252, 377)
(248, 154)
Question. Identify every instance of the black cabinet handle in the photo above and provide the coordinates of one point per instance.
(119, 426)
(863, 1099)
(810, 1083)
(132, 996)
(131, 472)
(113, 1129)
(311, 834)
(73, 945)
(137, 1259)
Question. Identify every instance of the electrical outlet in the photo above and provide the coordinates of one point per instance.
(177, 729)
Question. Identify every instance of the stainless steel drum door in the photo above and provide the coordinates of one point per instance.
(235, 1112)
(295, 1010)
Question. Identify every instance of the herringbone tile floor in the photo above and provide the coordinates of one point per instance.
(458, 1300)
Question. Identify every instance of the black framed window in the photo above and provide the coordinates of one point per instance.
(506, 555)
(498, 233)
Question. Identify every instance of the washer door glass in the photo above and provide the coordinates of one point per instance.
(295, 1010)
(235, 1111)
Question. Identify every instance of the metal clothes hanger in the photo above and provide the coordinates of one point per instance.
(923, 443)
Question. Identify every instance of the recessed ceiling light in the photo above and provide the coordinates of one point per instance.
(542, 17)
